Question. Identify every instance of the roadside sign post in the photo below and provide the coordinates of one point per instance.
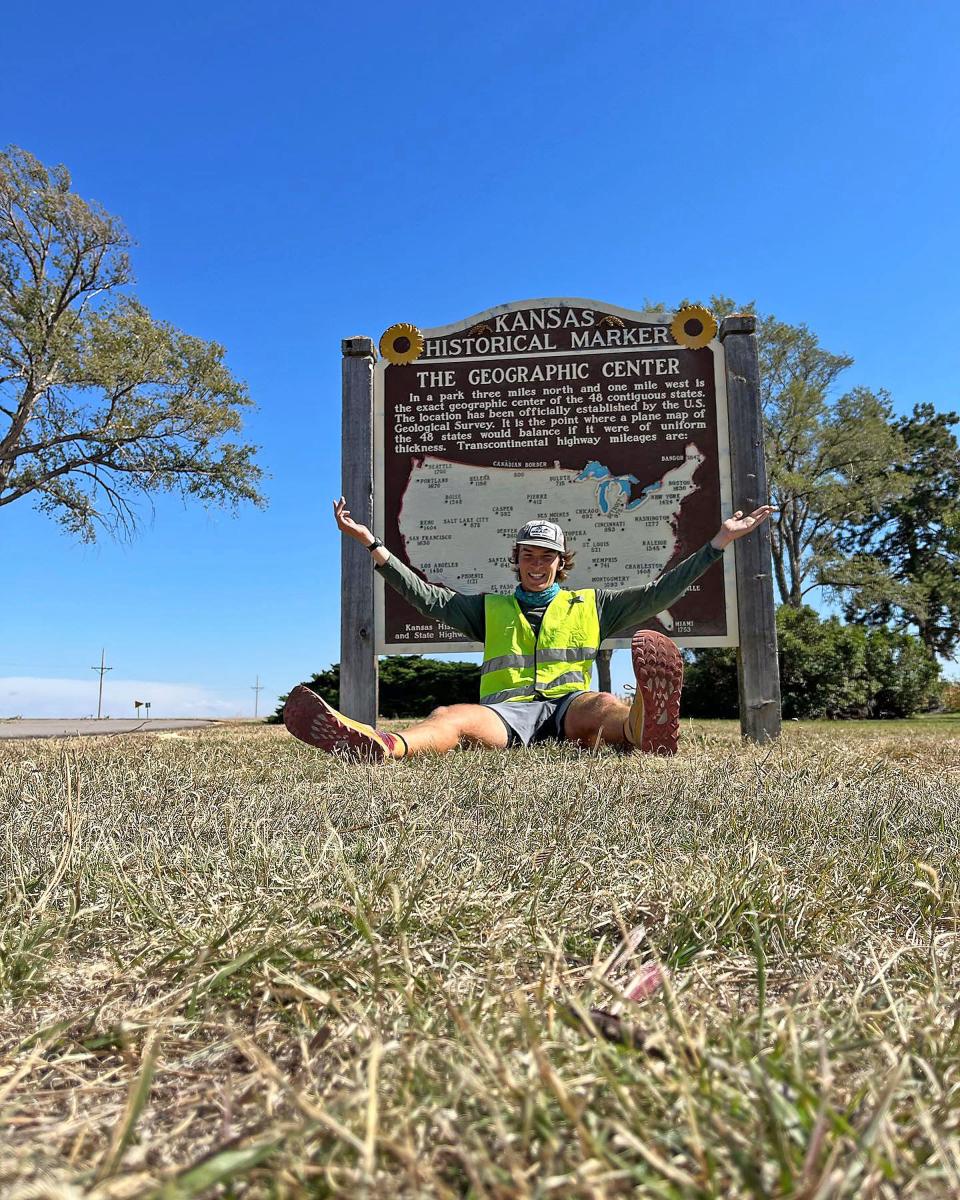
(757, 668)
(637, 435)
(359, 677)
(603, 670)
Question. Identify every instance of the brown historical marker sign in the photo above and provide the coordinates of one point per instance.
(587, 414)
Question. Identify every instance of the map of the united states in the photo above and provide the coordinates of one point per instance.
(458, 521)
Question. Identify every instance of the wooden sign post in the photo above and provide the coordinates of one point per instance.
(757, 667)
(359, 691)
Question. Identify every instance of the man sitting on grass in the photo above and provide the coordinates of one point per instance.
(539, 646)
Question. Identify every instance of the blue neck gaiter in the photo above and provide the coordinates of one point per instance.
(537, 598)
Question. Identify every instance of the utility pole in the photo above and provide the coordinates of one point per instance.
(102, 669)
(256, 689)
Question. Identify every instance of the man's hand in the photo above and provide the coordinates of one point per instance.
(739, 526)
(348, 525)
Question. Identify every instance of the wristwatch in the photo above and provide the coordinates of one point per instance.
(375, 544)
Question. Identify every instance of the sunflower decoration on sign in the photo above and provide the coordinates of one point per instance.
(693, 326)
(401, 343)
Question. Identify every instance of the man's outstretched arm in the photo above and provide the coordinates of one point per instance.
(627, 607)
(463, 613)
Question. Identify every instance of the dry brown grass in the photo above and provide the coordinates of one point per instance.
(229, 965)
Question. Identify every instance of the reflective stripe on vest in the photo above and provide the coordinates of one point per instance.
(518, 666)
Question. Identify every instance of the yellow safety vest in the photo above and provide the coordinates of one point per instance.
(519, 666)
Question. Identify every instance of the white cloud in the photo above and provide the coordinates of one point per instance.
(28, 696)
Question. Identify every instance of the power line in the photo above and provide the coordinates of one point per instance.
(256, 689)
(102, 669)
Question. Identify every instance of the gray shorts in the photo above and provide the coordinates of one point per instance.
(530, 721)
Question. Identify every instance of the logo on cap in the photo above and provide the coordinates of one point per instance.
(542, 533)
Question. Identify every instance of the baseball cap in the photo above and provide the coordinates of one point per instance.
(542, 533)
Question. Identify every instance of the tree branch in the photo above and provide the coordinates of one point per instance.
(123, 512)
(22, 242)
(17, 425)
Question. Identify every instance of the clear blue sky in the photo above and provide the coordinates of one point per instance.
(296, 173)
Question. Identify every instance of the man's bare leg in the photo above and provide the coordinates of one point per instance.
(454, 725)
(596, 719)
(310, 719)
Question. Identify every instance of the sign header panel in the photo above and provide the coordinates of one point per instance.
(574, 411)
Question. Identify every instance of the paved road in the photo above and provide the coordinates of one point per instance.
(90, 727)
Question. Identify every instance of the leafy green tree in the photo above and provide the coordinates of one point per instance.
(827, 669)
(823, 666)
(833, 461)
(832, 464)
(905, 557)
(410, 685)
(710, 684)
(102, 402)
(904, 675)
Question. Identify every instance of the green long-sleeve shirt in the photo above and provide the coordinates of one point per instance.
(619, 609)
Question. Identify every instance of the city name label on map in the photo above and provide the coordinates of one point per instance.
(586, 414)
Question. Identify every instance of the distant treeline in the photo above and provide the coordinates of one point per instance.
(410, 685)
(827, 669)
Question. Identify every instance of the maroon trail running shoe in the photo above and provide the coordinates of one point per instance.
(311, 719)
(654, 720)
